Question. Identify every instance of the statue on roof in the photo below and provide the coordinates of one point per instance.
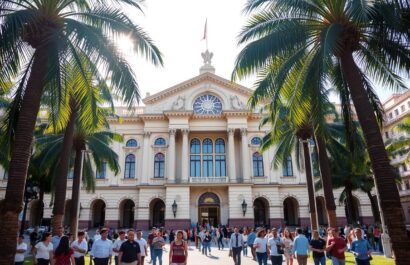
(207, 56)
(236, 103)
(179, 104)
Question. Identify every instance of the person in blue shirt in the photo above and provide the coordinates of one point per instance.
(300, 248)
(361, 248)
(250, 241)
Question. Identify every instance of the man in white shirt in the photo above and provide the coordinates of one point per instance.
(117, 245)
(235, 246)
(101, 251)
(275, 248)
(143, 246)
(80, 248)
(20, 250)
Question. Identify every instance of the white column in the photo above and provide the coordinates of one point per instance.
(171, 156)
(245, 155)
(231, 155)
(185, 156)
(145, 158)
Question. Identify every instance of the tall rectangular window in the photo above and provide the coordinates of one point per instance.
(207, 166)
(396, 112)
(288, 167)
(220, 166)
(195, 166)
(100, 174)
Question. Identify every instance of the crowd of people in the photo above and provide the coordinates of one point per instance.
(276, 244)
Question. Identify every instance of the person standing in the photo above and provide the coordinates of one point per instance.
(260, 245)
(130, 252)
(288, 241)
(207, 243)
(178, 254)
(201, 240)
(149, 242)
(43, 250)
(20, 250)
(235, 246)
(117, 245)
(245, 242)
(250, 241)
(143, 246)
(80, 248)
(158, 243)
(56, 238)
(337, 247)
(361, 249)
(220, 235)
(300, 247)
(101, 250)
(318, 247)
(276, 246)
(64, 255)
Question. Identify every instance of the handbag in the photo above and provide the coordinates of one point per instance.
(280, 249)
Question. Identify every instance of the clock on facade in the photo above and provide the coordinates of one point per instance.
(207, 104)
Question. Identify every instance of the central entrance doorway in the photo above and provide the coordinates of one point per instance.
(209, 209)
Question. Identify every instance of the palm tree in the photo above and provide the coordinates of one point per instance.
(287, 135)
(401, 145)
(36, 38)
(311, 42)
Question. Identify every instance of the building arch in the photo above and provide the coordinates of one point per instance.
(67, 212)
(157, 213)
(127, 213)
(97, 209)
(261, 212)
(209, 209)
(211, 91)
(321, 210)
(353, 213)
(291, 211)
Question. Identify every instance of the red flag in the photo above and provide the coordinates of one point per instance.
(205, 30)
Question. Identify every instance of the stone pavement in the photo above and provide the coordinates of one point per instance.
(218, 257)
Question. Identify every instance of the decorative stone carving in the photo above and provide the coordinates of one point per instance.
(207, 56)
(231, 131)
(172, 131)
(236, 103)
(179, 104)
(244, 132)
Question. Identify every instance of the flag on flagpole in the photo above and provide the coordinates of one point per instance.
(205, 30)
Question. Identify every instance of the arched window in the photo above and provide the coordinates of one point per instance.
(129, 172)
(257, 159)
(160, 141)
(159, 165)
(195, 158)
(288, 167)
(207, 158)
(131, 143)
(220, 161)
(256, 141)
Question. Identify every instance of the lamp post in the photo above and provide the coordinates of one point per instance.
(30, 193)
(174, 208)
(244, 207)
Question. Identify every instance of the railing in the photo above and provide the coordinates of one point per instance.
(208, 179)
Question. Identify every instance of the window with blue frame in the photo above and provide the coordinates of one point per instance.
(195, 158)
(257, 161)
(129, 171)
(288, 167)
(256, 141)
(131, 143)
(101, 173)
(159, 141)
(159, 165)
(220, 160)
(207, 158)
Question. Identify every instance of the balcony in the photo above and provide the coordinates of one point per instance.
(208, 180)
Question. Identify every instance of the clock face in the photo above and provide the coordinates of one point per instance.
(207, 104)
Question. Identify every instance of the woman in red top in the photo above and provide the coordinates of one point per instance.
(64, 255)
(178, 254)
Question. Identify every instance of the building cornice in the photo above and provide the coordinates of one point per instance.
(147, 117)
(195, 81)
(176, 113)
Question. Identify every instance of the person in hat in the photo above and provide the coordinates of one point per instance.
(260, 246)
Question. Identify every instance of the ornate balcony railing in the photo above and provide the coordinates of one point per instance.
(208, 179)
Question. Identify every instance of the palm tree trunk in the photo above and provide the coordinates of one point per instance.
(326, 182)
(13, 201)
(41, 207)
(384, 178)
(75, 193)
(61, 180)
(309, 183)
(351, 213)
(375, 209)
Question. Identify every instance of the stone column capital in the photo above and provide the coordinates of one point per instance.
(172, 132)
(231, 131)
(147, 133)
(244, 132)
(185, 131)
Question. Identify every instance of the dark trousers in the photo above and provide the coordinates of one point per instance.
(276, 260)
(236, 255)
(101, 261)
(19, 263)
(220, 243)
(43, 262)
(362, 262)
(115, 259)
(79, 261)
(262, 258)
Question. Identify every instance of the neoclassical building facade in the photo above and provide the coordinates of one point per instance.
(191, 155)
